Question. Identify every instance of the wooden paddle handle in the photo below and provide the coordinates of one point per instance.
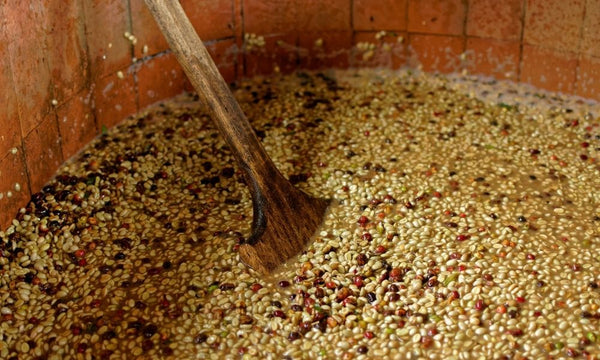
(210, 85)
(284, 217)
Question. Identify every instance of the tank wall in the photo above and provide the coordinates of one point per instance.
(69, 69)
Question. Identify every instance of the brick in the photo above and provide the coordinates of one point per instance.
(590, 42)
(496, 58)
(10, 135)
(588, 78)
(114, 99)
(12, 171)
(391, 51)
(43, 153)
(436, 53)
(76, 123)
(316, 15)
(146, 31)
(159, 78)
(548, 69)
(495, 19)
(554, 24)
(29, 61)
(380, 14)
(106, 23)
(445, 17)
(212, 19)
(280, 52)
(327, 49)
(266, 17)
(67, 55)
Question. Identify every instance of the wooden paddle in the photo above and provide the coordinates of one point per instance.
(284, 218)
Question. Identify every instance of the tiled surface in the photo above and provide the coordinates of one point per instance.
(159, 78)
(146, 31)
(436, 16)
(495, 19)
(162, 77)
(436, 53)
(390, 51)
(12, 171)
(29, 61)
(71, 51)
(9, 118)
(76, 123)
(318, 15)
(588, 78)
(590, 42)
(496, 58)
(269, 16)
(554, 24)
(114, 99)
(238, 19)
(319, 50)
(289, 28)
(212, 19)
(106, 23)
(67, 54)
(43, 154)
(280, 52)
(380, 14)
(549, 69)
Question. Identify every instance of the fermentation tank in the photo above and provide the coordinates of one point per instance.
(70, 71)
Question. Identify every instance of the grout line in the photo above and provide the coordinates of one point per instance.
(88, 80)
(408, 53)
(132, 53)
(579, 54)
(465, 19)
(60, 137)
(352, 36)
(130, 28)
(234, 31)
(352, 14)
(406, 8)
(427, 34)
(436, 34)
(351, 57)
(387, 30)
(53, 113)
(244, 64)
(463, 58)
(60, 144)
(352, 20)
(521, 40)
(14, 88)
(168, 51)
(217, 40)
(581, 27)
(296, 33)
(460, 36)
(23, 159)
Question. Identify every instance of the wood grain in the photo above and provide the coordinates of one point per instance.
(284, 218)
